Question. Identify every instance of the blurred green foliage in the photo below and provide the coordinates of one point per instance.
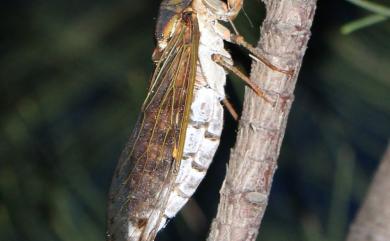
(379, 14)
(73, 77)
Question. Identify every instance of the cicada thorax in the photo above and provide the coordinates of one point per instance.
(170, 11)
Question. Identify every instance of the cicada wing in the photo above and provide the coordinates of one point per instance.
(146, 170)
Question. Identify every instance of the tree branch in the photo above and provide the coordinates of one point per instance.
(253, 160)
(373, 220)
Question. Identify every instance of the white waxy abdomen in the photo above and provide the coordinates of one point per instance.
(205, 121)
(202, 139)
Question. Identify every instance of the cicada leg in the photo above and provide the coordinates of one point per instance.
(230, 108)
(239, 40)
(234, 7)
(226, 10)
(221, 60)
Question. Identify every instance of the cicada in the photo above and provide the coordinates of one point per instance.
(181, 120)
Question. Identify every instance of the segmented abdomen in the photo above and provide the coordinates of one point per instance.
(202, 140)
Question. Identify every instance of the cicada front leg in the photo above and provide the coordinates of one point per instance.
(227, 12)
(234, 7)
(240, 41)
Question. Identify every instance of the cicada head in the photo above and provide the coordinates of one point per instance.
(169, 16)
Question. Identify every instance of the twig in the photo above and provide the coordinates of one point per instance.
(244, 194)
(373, 220)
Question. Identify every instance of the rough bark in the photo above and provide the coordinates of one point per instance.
(253, 161)
(373, 220)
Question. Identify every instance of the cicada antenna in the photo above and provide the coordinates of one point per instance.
(234, 27)
(248, 18)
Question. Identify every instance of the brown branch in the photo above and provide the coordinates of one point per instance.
(253, 160)
(373, 220)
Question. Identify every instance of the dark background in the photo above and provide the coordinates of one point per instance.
(74, 74)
